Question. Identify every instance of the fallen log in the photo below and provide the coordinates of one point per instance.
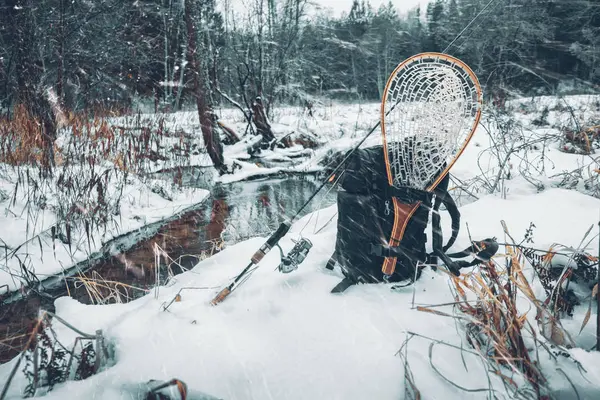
(261, 121)
(304, 139)
(232, 137)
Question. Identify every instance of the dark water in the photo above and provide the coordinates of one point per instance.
(232, 213)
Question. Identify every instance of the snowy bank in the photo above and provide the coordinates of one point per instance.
(285, 336)
(28, 229)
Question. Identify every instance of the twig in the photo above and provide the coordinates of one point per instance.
(570, 381)
(68, 325)
(598, 298)
(27, 345)
(461, 186)
(454, 303)
(235, 104)
(409, 381)
(441, 342)
(177, 297)
(448, 380)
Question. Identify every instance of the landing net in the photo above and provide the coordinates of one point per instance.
(430, 109)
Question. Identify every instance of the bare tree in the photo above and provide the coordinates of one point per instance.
(205, 112)
(30, 71)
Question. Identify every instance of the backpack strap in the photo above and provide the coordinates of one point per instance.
(436, 232)
(481, 251)
(439, 250)
(443, 197)
(407, 195)
(332, 261)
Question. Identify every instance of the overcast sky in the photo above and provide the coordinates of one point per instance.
(339, 6)
(336, 6)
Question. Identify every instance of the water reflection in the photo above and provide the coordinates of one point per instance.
(257, 208)
(232, 213)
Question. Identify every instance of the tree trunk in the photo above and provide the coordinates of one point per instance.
(205, 115)
(29, 73)
(179, 88)
(259, 117)
(168, 88)
(260, 83)
(232, 137)
(61, 53)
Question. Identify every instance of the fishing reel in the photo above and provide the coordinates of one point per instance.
(295, 257)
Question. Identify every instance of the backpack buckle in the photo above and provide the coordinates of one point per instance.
(380, 250)
(377, 249)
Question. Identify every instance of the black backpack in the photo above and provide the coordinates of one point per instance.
(369, 209)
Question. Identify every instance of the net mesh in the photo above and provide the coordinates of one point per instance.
(431, 107)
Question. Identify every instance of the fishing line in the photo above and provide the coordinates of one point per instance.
(321, 202)
(285, 226)
(468, 25)
(377, 125)
(467, 38)
(327, 223)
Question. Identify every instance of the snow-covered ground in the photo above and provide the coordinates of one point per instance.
(335, 126)
(339, 126)
(286, 336)
(26, 231)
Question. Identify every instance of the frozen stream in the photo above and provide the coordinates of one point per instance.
(232, 213)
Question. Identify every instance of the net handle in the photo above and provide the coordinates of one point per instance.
(452, 60)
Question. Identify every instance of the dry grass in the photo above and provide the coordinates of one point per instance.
(494, 329)
(94, 140)
(486, 300)
(489, 300)
(496, 326)
(20, 138)
(582, 142)
(48, 362)
(94, 159)
(102, 291)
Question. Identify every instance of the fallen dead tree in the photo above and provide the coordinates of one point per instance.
(261, 121)
(258, 122)
(231, 137)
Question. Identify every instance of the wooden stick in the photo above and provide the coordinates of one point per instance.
(598, 298)
(32, 337)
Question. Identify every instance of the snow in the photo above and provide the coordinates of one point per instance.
(140, 206)
(340, 126)
(336, 126)
(26, 230)
(286, 336)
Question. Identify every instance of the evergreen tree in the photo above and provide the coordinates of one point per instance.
(435, 25)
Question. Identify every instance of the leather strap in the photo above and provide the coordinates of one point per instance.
(402, 214)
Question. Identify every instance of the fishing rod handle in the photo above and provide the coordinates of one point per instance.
(271, 241)
(221, 296)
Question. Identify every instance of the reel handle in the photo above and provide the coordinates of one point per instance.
(271, 241)
(256, 258)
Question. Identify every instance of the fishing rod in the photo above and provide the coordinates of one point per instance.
(303, 245)
(285, 226)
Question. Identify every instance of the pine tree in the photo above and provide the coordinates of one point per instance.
(435, 25)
